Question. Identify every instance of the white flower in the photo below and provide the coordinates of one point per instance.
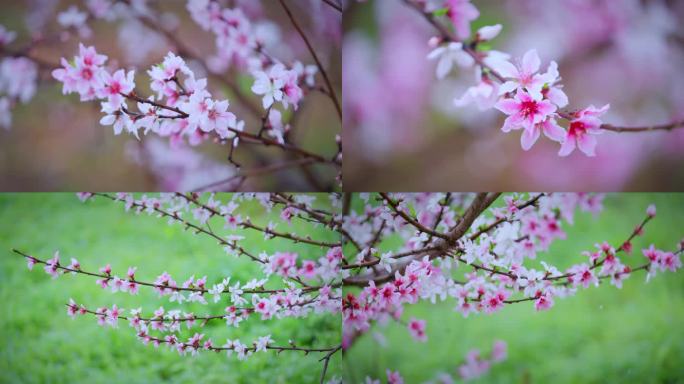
(489, 32)
(386, 261)
(117, 119)
(269, 85)
(262, 342)
(72, 17)
(448, 55)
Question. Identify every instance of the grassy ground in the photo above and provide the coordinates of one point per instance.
(41, 344)
(602, 335)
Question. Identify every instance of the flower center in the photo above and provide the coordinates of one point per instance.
(529, 108)
(577, 128)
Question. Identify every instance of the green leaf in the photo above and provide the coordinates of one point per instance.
(440, 12)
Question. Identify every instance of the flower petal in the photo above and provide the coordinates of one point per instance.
(529, 137)
(531, 62)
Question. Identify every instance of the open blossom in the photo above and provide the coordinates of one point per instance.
(448, 55)
(524, 111)
(417, 329)
(119, 120)
(84, 76)
(543, 302)
(485, 94)
(219, 119)
(583, 128)
(262, 342)
(549, 127)
(72, 308)
(523, 76)
(269, 85)
(461, 13)
(115, 85)
(52, 266)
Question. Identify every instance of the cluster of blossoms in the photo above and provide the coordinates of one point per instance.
(243, 43)
(532, 100)
(184, 107)
(170, 322)
(18, 79)
(462, 249)
(189, 110)
(294, 284)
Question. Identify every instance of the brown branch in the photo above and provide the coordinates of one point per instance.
(470, 49)
(415, 223)
(249, 225)
(328, 84)
(337, 7)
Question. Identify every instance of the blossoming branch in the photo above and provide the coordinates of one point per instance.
(532, 100)
(290, 285)
(476, 251)
(182, 108)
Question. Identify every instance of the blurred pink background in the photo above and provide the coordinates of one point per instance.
(402, 132)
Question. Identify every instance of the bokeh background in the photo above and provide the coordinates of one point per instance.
(40, 343)
(402, 131)
(601, 335)
(57, 143)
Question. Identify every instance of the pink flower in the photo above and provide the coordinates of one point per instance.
(107, 269)
(651, 210)
(88, 57)
(113, 315)
(524, 76)
(583, 127)
(499, 351)
(549, 127)
(492, 302)
(52, 266)
(670, 261)
(72, 308)
(74, 264)
(31, 261)
(583, 275)
(115, 85)
(287, 213)
(652, 254)
(417, 329)
(219, 119)
(524, 111)
(543, 302)
(394, 377)
(461, 13)
(293, 93)
(308, 269)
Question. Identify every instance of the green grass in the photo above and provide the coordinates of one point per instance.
(41, 344)
(601, 335)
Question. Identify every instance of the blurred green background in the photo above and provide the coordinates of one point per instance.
(41, 344)
(601, 335)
